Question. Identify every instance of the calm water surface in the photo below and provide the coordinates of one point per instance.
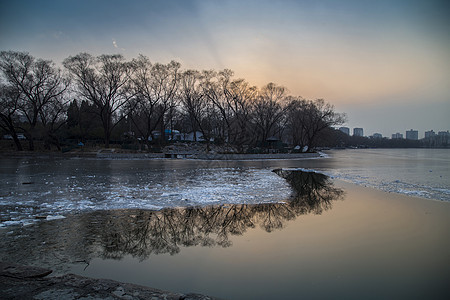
(236, 229)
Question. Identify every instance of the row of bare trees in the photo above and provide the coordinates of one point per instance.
(153, 97)
(32, 95)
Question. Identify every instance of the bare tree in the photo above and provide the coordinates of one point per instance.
(268, 110)
(307, 119)
(53, 117)
(105, 82)
(215, 87)
(155, 88)
(9, 118)
(199, 110)
(39, 85)
(240, 97)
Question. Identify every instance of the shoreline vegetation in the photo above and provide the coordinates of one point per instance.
(142, 103)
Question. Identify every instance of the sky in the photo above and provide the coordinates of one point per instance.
(385, 63)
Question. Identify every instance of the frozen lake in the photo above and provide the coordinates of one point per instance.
(50, 188)
(236, 229)
(32, 189)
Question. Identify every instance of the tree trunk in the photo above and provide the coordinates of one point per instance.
(12, 130)
(17, 142)
(30, 142)
(162, 140)
(107, 138)
(107, 130)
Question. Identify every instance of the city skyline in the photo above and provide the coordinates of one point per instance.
(431, 132)
(384, 63)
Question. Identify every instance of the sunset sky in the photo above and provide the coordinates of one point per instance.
(385, 63)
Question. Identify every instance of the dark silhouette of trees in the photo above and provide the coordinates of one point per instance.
(200, 112)
(52, 118)
(214, 88)
(155, 88)
(82, 123)
(139, 100)
(105, 82)
(239, 98)
(38, 88)
(268, 110)
(234, 100)
(9, 105)
(309, 187)
(308, 118)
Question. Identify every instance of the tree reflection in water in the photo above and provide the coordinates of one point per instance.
(154, 232)
(141, 233)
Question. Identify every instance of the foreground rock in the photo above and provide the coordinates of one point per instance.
(22, 282)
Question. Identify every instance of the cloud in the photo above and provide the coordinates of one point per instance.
(116, 46)
(58, 35)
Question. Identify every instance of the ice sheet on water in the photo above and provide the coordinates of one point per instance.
(48, 218)
(323, 172)
(387, 183)
(145, 190)
(413, 192)
(445, 191)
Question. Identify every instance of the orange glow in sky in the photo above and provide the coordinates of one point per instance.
(373, 60)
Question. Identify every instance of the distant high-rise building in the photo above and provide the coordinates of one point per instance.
(358, 132)
(430, 134)
(345, 130)
(397, 135)
(377, 136)
(412, 135)
(444, 133)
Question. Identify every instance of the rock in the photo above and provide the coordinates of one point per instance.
(17, 271)
(54, 294)
(22, 282)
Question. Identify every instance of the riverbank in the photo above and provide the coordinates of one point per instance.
(25, 282)
(119, 154)
(193, 150)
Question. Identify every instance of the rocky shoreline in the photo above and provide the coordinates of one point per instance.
(26, 282)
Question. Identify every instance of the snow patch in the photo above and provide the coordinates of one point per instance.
(57, 217)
